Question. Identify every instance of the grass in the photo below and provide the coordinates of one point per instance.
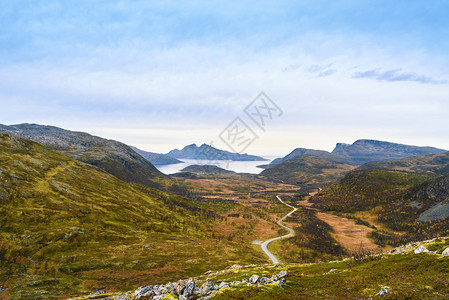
(410, 276)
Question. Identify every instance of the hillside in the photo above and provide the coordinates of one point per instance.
(68, 227)
(426, 163)
(303, 151)
(113, 157)
(208, 152)
(413, 271)
(408, 206)
(307, 169)
(156, 158)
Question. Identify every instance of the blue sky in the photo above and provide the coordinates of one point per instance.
(163, 74)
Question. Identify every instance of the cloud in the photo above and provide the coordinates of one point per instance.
(322, 70)
(398, 75)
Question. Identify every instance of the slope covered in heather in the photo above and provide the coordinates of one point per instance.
(75, 227)
(113, 157)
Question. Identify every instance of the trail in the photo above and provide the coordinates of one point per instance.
(291, 233)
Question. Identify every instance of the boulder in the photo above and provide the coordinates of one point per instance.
(206, 288)
(281, 282)
(446, 251)
(143, 291)
(179, 287)
(282, 274)
(264, 280)
(223, 285)
(421, 249)
(254, 279)
(189, 287)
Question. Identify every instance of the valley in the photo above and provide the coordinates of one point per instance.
(70, 226)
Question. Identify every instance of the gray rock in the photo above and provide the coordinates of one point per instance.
(159, 297)
(282, 274)
(397, 250)
(421, 249)
(143, 291)
(206, 288)
(384, 290)
(223, 285)
(168, 288)
(179, 287)
(281, 282)
(254, 279)
(189, 287)
(236, 282)
(446, 251)
(264, 280)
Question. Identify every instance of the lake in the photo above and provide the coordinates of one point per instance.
(236, 166)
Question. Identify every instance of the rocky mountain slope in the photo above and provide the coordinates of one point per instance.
(362, 151)
(156, 158)
(114, 157)
(208, 152)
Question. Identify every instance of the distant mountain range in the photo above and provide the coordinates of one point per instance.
(207, 152)
(156, 158)
(113, 157)
(361, 152)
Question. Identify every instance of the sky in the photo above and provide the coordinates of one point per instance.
(163, 74)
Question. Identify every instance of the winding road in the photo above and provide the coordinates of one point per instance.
(291, 233)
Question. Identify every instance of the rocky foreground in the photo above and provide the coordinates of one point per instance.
(263, 278)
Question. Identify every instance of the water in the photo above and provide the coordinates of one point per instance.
(236, 166)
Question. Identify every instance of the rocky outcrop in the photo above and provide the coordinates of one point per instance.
(192, 287)
(421, 249)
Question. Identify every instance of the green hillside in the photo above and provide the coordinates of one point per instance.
(68, 227)
(111, 156)
(426, 163)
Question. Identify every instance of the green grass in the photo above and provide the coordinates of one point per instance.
(411, 276)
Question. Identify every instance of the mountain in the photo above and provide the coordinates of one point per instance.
(426, 163)
(361, 152)
(208, 152)
(114, 157)
(307, 169)
(303, 151)
(156, 158)
(206, 169)
(68, 228)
